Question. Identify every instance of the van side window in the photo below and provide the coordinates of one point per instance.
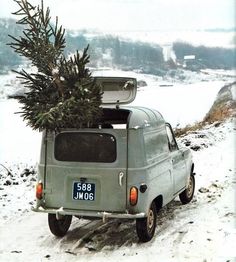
(171, 140)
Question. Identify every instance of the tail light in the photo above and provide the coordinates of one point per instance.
(133, 197)
(39, 190)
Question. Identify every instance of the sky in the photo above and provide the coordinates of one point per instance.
(137, 15)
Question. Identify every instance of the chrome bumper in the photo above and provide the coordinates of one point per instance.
(104, 215)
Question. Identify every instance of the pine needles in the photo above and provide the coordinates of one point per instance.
(62, 93)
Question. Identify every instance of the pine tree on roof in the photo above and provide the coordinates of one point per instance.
(62, 93)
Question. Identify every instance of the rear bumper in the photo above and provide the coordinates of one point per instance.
(81, 213)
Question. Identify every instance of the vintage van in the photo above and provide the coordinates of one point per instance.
(128, 166)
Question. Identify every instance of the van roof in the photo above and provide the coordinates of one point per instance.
(141, 117)
(135, 116)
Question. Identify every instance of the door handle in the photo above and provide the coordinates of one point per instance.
(121, 176)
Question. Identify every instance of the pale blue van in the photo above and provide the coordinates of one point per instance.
(128, 166)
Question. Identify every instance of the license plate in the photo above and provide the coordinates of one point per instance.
(84, 191)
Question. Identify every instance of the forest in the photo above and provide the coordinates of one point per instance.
(115, 52)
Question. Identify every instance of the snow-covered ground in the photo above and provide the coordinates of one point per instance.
(203, 230)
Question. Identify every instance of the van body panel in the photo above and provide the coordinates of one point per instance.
(157, 177)
(109, 179)
(179, 170)
(150, 164)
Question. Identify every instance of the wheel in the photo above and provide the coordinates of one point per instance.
(59, 227)
(187, 195)
(145, 227)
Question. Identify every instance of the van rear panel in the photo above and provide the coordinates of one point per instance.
(87, 170)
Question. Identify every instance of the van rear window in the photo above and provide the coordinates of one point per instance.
(85, 147)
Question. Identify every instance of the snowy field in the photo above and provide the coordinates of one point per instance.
(203, 230)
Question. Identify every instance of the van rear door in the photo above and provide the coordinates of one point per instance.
(117, 90)
(88, 170)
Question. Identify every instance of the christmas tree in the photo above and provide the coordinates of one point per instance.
(62, 93)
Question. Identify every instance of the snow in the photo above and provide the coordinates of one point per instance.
(18, 142)
(203, 230)
(9, 85)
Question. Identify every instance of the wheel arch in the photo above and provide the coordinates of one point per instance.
(158, 202)
(192, 169)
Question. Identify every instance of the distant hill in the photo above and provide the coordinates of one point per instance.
(205, 57)
(110, 51)
(113, 52)
(217, 30)
(8, 59)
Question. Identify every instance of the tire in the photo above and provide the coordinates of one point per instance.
(59, 227)
(187, 195)
(145, 227)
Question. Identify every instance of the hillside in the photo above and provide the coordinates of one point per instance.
(224, 105)
(204, 57)
(8, 59)
(116, 52)
(223, 108)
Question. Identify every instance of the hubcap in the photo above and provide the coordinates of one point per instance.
(190, 187)
(150, 219)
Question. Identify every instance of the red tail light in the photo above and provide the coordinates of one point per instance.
(133, 197)
(39, 190)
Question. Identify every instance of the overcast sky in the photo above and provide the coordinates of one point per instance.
(137, 15)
